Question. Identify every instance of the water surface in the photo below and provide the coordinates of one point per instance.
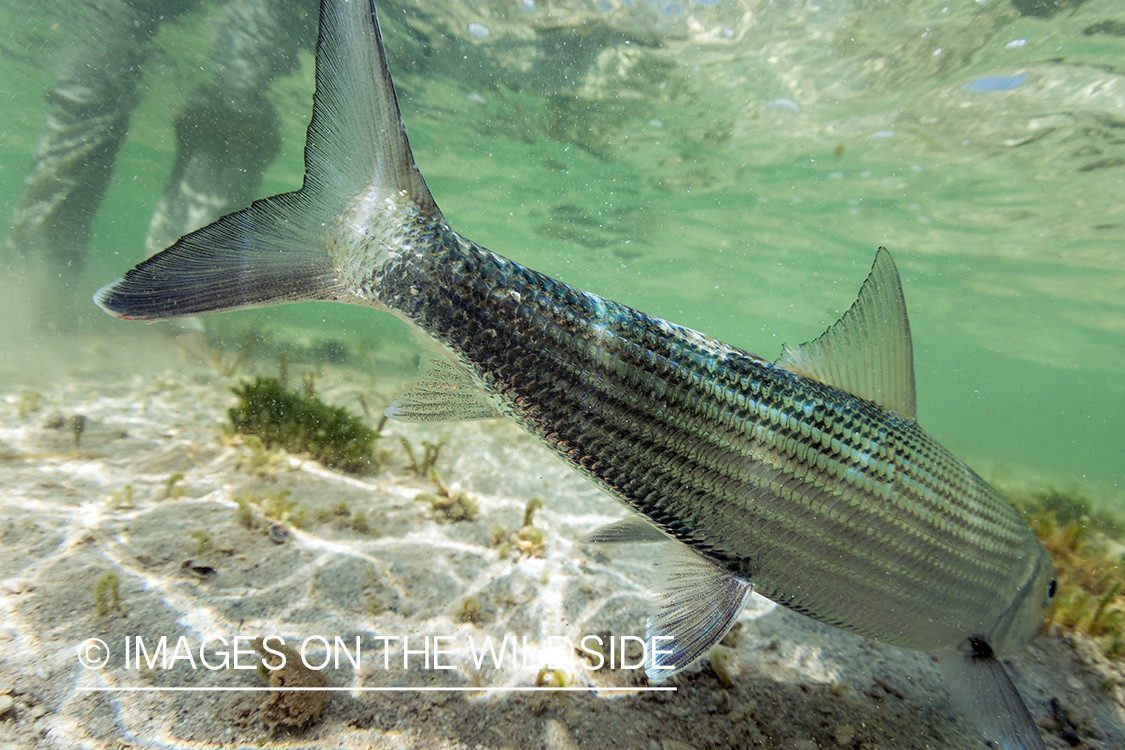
(732, 166)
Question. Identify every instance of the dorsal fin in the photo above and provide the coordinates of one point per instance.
(867, 352)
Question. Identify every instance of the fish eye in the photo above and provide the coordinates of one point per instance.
(1051, 588)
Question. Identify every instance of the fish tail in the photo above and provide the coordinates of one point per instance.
(283, 249)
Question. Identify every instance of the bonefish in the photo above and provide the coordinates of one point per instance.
(807, 479)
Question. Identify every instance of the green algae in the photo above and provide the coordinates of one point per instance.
(203, 542)
(359, 523)
(341, 516)
(533, 505)
(528, 540)
(430, 452)
(1085, 545)
(550, 678)
(451, 505)
(245, 514)
(122, 498)
(303, 424)
(107, 594)
(29, 403)
(469, 611)
(275, 507)
(172, 490)
(338, 511)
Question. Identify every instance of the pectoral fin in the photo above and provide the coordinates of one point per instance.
(698, 604)
(631, 530)
(442, 392)
(983, 691)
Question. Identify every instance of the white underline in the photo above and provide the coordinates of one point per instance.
(523, 689)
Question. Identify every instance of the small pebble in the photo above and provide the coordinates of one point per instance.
(844, 734)
(202, 572)
(278, 534)
(6, 704)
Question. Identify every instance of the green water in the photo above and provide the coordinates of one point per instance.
(660, 159)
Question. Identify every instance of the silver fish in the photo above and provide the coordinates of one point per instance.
(807, 479)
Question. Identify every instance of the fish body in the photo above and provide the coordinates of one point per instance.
(807, 479)
(825, 501)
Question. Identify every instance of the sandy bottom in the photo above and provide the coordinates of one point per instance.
(296, 562)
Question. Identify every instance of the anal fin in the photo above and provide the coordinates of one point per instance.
(982, 690)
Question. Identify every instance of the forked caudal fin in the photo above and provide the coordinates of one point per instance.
(275, 251)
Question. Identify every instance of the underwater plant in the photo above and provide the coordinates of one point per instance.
(720, 657)
(122, 498)
(107, 594)
(550, 678)
(469, 610)
(452, 506)
(1089, 564)
(172, 490)
(533, 505)
(202, 541)
(430, 452)
(359, 523)
(289, 709)
(275, 506)
(29, 403)
(341, 516)
(302, 424)
(527, 540)
(77, 427)
(245, 514)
